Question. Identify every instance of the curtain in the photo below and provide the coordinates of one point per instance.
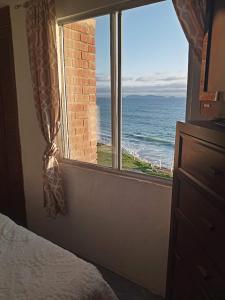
(192, 16)
(41, 37)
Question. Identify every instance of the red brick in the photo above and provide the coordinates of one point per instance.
(91, 65)
(82, 46)
(77, 62)
(78, 81)
(92, 98)
(83, 27)
(91, 30)
(69, 79)
(68, 52)
(84, 55)
(89, 90)
(77, 54)
(85, 64)
(75, 35)
(79, 45)
(79, 130)
(91, 49)
(76, 123)
(91, 57)
(92, 82)
(69, 71)
(68, 43)
(68, 62)
(71, 108)
(67, 26)
(84, 37)
(81, 114)
(91, 40)
(67, 34)
(75, 26)
(81, 98)
(85, 81)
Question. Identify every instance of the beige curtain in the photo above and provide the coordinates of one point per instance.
(41, 37)
(192, 16)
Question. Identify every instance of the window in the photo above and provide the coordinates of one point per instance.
(125, 81)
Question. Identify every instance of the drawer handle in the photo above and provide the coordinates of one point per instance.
(207, 223)
(203, 272)
(178, 257)
(216, 172)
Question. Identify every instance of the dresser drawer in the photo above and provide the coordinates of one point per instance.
(208, 221)
(199, 266)
(204, 162)
(184, 288)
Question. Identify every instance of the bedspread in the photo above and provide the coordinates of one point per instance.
(33, 268)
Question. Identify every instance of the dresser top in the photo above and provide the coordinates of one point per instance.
(218, 125)
(208, 131)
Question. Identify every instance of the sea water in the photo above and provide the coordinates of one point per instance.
(148, 126)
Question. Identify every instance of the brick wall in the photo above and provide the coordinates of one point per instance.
(80, 75)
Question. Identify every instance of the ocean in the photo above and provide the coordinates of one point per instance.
(148, 126)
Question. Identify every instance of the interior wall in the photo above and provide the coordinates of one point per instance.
(117, 222)
(32, 143)
(68, 7)
(120, 223)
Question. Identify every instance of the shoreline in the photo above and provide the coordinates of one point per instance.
(131, 162)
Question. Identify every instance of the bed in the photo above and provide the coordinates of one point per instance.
(33, 268)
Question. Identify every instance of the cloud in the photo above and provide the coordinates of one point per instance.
(102, 78)
(173, 78)
(156, 84)
(160, 77)
(127, 78)
(175, 89)
(106, 78)
(145, 78)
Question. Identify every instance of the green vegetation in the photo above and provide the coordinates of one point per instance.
(130, 163)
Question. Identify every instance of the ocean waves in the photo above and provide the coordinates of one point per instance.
(148, 126)
(150, 139)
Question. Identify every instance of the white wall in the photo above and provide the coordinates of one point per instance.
(69, 7)
(120, 223)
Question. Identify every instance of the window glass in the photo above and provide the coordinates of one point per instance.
(87, 87)
(154, 84)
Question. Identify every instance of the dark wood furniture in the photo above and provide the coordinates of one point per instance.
(205, 93)
(196, 267)
(11, 180)
(212, 83)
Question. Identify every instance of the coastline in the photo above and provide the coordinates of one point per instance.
(130, 162)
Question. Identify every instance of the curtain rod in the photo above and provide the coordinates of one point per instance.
(21, 5)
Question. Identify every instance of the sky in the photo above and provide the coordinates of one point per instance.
(154, 52)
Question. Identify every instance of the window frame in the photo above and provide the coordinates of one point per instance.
(115, 13)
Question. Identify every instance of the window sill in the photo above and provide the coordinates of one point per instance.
(122, 173)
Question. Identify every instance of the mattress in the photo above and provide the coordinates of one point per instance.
(34, 268)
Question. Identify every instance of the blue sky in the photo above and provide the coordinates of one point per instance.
(154, 52)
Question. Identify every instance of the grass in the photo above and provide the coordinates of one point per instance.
(130, 162)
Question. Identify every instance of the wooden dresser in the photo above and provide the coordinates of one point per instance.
(196, 267)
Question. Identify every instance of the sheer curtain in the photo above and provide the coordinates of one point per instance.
(192, 16)
(41, 37)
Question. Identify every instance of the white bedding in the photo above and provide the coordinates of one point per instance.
(33, 268)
